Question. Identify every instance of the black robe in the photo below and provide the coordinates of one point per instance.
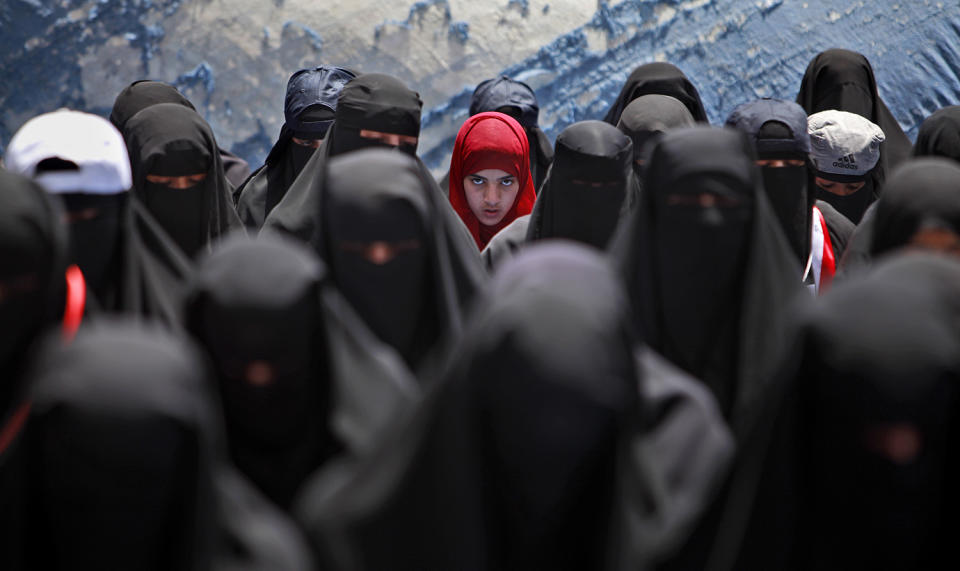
(707, 267)
(124, 466)
(169, 139)
(266, 187)
(649, 116)
(301, 379)
(388, 250)
(661, 78)
(939, 134)
(143, 93)
(381, 103)
(543, 445)
(853, 464)
(589, 188)
(843, 80)
(33, 247)
(924, 194)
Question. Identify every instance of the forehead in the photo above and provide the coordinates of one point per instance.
(492, 174)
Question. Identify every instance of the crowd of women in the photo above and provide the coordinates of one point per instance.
(654, 344)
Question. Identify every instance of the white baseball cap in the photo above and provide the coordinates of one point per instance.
(87, 141)
(843, 146)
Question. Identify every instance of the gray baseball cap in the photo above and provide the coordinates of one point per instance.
(844, 146)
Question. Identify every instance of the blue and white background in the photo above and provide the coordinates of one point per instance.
(233, 57)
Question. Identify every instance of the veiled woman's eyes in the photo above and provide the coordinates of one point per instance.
(507, 182)
(477, 180)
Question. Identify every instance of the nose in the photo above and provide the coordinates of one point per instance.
(180, 183)
(491, 195)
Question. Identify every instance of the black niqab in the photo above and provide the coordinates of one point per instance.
(374, 102)
(96, 238)
(843, 80)
(852, 464)
(922, 195)
(33, 247)
(385, 248)
(255, 307)
(533, 451)
(648, 116)
(380, 103)
(96, 497)
(661, 78)
(309, 109)
(590, 184)
(170, 140)
(300, 377)
(143, 93)
(706, 265)
(939, 134)
(511, 462)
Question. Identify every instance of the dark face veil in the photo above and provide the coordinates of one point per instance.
(480, 477)
(662, 78)
(589, 186)
(309, 108)
(34, 253)
(170, 140)
(255, 306)
(851, 463)
(382, 250)
(373, 103)
(844, 80)
(701, 244)
(96, 496)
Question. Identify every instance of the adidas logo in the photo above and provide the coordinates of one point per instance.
(846, 162)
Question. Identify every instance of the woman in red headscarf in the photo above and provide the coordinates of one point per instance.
(490, 183)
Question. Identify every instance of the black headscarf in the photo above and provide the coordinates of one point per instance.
(853, 464)
(706, 265)
(386, 248)
(171, 140)
(380, 103)
(843, 80)
(939, 134)
(778, 130)
(309, 108)
(374, 102)
(125, 468)
(922, 195)
(33, 250)
(661, 78)
(589, 187)
(518, 100)
(647, 117)
(288, 354)
(143, 93)
(522, 455)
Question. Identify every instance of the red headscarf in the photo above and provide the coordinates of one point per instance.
(491, 140)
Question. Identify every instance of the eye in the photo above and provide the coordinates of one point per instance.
(506, 182)
(477, 180)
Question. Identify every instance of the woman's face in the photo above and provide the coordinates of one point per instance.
(490, 194)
